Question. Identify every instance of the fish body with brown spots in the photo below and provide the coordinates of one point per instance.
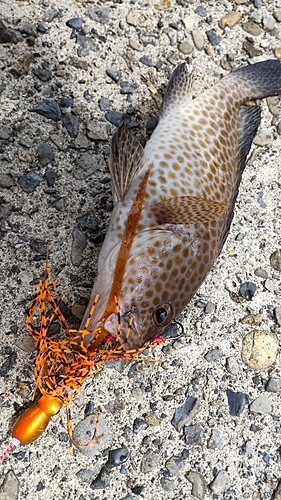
(174, 202)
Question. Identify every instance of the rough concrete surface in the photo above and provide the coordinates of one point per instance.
(118, 58)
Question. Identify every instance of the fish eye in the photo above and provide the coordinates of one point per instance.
(162, 315)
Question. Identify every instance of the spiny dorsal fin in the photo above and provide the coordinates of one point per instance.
(187, 210)
(178, 92)
(125, 161)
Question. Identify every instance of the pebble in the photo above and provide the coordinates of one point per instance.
(250, 49)
(104, 104)
(201, 11)
(168, 484)
(215, 441)
(83, 433)
(135, 45)
(114, 74)
(261, 273)
(259, 349)
(30, 181)
(139, 19)
(251, 319)
(85, 475)
(48, 109)
(185, 47)
(277, 15)
(273, 384)
(193, 434)
(175, 466)
(268, 22)
(117, 457)
(126, 88)
(5, 132)
(277, 493)
(232, 365)
(214, 355)
(6, 180)
(247, 290)
(43, 74)
(150, 461)
(98, 14)
(253, 28)
(88, 221)
(50, 15)
(97, 130)
(184, 414)
(198, 39)
(275, 260)
(261, 405)
(115, 117)
(213, 37)
(139, 424)
(50, 176)
(146, 61)
(85, 45)
(79, 243)
(75, 23)
(71, 124)
(9, 490)
(45, 154)
(163, 4)
(270, 285)
(198, 484)
(221, 482)
(22, 66)
(80, 142)
(236, 402)
(264, 137)
(231, 19)
(277, 315)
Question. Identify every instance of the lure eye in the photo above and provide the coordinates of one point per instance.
(162, 315)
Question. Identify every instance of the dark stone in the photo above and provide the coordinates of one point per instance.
(75, 23)
(78, 246)
(115, 117)
(212, 37)
(50, 15)
(182, 412)
(146, 61)
(275, 260)
(6, 180)
(115, 74)
(71, 123)
(117, 457)
(137, 490)
(48, 109)
(193, 434)
(88, 221)
(43, 74)
(8, 364)
(45, 154)
(104, 104)
(40, 486)
(7, 35)
(97, 238)
(151, 124)
(201, 11)
(101, 481)
(236, 402)
(247, 290)
(50, 176)
(30, 181)
(89, 409)
(5, 211)
(41, 28)
(38, 246)
(66, 102)
(126, 88)
(139, 424)
(250, 49)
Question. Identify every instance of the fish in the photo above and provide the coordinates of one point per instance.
(173, 203)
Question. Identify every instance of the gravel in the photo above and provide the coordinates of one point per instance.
(70, 73)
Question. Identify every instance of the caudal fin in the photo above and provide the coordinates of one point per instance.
(262, 79)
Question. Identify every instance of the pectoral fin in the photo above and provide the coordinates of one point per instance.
(187, 210)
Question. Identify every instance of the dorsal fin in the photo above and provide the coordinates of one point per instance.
(125, 161)
(187, 210)
(179, 88)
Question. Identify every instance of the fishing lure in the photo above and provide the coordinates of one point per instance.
(173, 206)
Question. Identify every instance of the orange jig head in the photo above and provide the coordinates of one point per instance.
(32, 423)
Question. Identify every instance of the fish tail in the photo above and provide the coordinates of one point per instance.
(258, 80)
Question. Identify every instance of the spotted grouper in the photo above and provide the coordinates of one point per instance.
(174, 202)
